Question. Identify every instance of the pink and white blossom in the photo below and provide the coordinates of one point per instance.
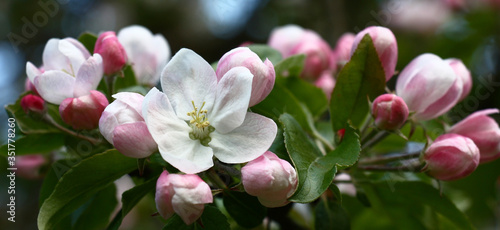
(112, 52)
(451, 157)
(292, 39)
(269, 178)
(263, 72)
(83, 112)
(197, 117)
(483, 130)
(123, 126)
(429, 86)
(185, 195)
(461, 71)
(69, 71)
(147, 53)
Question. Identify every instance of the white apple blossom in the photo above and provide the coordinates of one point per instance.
(69, 71)
(196, 117)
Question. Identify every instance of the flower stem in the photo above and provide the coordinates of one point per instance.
(389, 157)
(401, 168)
(110, 82)
(214, 177)
(375, 139)
(50, 120)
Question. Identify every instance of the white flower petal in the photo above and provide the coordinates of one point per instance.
(32, 71)
(172, 135)
(107, 124)
(186, 78)
(231, 100)
(55, 86)
(89, 75)
(245, 143)
(53, 58)
(73, 54)
(136, 40)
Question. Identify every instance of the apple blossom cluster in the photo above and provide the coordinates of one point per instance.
(203, 119)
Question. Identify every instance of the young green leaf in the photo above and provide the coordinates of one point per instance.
(308, 94)
(264, 51)
(80, 183)
(290, 67)
(412, 197)
(97, 214)
(246, 210)
(36, 143)
(128, 79)
(212, 219)
(363, 76)
(330, 215)
(88, 40)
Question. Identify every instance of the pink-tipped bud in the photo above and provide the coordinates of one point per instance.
(292, 39)
(461, 71)
(451, 157)
(112, 52)
(185, 195)
(326, 82)
(123, 126)
(385, 44)
(343, 48)
(33, 103)
(30, 166)
(389, 111)
(429, 86)
(83, 112)
(269, 178)
(263, 72)
(483, 130)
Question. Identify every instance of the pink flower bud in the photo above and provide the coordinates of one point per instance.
(83, 112)
(263, 72)
(451, 157)
(385, 44)
(343, 48)
(483, 130)
(29, 166)
(112, 52)
(326, 82)
(33, 103)
(123, 126)
(270, 179)
(389, 111)
(429, 86)
(461, 71)
(185, 195)
(292, 39)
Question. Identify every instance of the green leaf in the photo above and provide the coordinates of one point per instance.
(330, 215)
(212, 219)
(88, 40)
(413, 197)
(291, 66)
(281, 101)
(303, 153)
(128, 79)
(36, 143)
(362, 76)
(316, 171)
(245, 209)
(347, 153)
(97, 214)
(264, 51)
(308, 94)
(130, 198)
(81, 182)
(31, 123)
(336, 192)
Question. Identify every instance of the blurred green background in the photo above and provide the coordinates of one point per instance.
(470, 32)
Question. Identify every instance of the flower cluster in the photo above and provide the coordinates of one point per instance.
(205, 132)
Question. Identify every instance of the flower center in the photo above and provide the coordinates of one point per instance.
(200, 125)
